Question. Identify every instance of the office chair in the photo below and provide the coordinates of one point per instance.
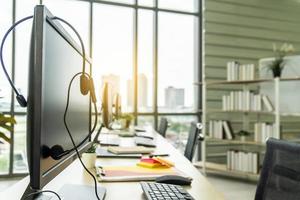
(193, 138)
(163, 126)
(280, 174)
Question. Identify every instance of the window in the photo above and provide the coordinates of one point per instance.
(23, 33)
(182, 5)
(113, 51)
(176, 63)
(5, 89)
(149, 3)
(165, 36)
(20, 153)
(145, 61)
(178, 129)
(81, 24)
(146, 120)
(5, 22)
(120, 1)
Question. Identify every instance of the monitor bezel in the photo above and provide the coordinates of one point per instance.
(42, 16)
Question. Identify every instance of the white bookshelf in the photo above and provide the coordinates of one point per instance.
(214, 168)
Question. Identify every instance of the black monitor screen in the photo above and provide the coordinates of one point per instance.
(61, 62)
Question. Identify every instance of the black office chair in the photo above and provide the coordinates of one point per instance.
(163, 126)
(193, 138)
(280, 174)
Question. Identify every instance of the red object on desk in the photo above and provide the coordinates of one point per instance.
(149, 160)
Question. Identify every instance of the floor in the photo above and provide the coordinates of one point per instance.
(233, 189)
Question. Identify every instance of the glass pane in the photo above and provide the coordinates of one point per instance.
(145, 61)
(4, 151)
(113, 51)
(149, 3)
(181, 5)
(23, 32)
(145, 121)
(20, 154)
(5, 23)
(4, 156)
(176, 63)
(81, 24)
(177, 132)
(120, 1)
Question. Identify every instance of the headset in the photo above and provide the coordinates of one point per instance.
(86, 81)
(86, 86)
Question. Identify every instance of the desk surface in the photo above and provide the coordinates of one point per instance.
(200, 189)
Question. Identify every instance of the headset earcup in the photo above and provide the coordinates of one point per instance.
(56, 152)
(84, 84)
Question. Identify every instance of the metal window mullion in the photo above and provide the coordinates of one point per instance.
(200, 59)
(155, 8)
(155, 64)
(12, 109)
(135, 61)
(91, 20)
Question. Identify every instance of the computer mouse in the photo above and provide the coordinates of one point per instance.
(174, 179)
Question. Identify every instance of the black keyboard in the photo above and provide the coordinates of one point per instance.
(161, 191)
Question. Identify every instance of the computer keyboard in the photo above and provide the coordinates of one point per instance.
(160, 191)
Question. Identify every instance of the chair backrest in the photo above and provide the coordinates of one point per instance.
(280, 174)
(163, 126)
(192, 141)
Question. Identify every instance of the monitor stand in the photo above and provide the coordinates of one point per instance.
(29, 190)
(71, 191)
(79, 192)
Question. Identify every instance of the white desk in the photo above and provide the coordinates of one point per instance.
(200, 189)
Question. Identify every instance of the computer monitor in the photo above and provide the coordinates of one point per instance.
(54, 59)
(117, 108)
(107, 105)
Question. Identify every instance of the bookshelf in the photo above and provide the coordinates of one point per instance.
(246, 117)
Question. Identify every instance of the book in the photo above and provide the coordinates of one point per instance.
(267, 103)
(130, 150)
(243, 161)
(134, 173)
(150, 165)
(228, 130)
(104, 153)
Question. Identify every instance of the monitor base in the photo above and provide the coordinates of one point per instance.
(40, 196)
(79, 192)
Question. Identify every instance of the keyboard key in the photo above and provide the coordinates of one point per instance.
(160, 191)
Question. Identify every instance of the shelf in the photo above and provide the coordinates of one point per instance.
(235, 142)
(241, 111)
(239, 82)
(290, 114)
(221, 169)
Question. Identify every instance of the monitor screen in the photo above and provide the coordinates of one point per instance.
(54, 59)
(61, 63)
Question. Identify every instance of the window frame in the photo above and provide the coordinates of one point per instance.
(136, 7)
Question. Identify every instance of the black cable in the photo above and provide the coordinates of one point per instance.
(66, 152)
(43, 191)
(20, 98)
(78, 36)
(71, 137)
